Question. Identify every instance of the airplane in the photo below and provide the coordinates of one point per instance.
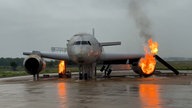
(86, 51)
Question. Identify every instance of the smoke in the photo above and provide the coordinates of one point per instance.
(142, 21)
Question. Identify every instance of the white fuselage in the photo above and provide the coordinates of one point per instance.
(84, 49)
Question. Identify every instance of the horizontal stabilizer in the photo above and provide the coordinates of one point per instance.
(110, 43)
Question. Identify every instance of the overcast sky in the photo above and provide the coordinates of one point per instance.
(27, 25)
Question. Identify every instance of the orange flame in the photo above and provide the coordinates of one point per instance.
(62, 67)
(153, 46)
(148, 63)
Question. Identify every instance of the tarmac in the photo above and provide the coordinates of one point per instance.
(115, 92)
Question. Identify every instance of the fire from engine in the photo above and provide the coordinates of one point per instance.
(153, 46)
(62, 67)
(148, 62)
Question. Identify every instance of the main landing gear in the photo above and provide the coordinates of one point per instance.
(107, 71)
(83, 76)
(36, 77)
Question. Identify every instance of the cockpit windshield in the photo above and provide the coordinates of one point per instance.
(82, 43)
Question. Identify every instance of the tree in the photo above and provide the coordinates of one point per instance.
(13, 66)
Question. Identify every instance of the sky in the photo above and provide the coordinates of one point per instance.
(27, 25)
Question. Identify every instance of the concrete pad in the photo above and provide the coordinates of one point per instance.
(116, 92)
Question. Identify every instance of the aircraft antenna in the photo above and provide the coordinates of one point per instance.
(93, 31)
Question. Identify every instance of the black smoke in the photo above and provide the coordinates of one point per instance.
(141, 20)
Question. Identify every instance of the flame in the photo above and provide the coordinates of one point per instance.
(148, 62)
(62, 67)
(153, 46)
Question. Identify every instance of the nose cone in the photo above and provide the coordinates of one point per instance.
(79, 54)
(80, 57)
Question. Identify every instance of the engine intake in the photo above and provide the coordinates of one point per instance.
(34, 64)
(137, 69)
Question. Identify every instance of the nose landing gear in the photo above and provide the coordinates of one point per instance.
(86, 71)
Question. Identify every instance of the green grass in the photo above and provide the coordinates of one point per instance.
(7, 72)
(179, 65)
(12, 73)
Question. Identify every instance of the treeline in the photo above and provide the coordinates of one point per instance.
(9, 61)
(19, 62)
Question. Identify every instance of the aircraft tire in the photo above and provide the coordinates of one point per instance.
(80, 76)
(85, 76)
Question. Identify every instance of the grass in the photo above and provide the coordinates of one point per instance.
(7, 72)
(12, 73)
(179, 65)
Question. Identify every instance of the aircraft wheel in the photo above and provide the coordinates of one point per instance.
(80, 76)
(85, 76)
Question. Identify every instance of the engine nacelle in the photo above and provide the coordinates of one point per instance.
(137, 69)
(34, 64)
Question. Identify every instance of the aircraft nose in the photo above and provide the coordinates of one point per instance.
(79, 54)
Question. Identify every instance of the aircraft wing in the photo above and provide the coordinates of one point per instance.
(111, 58)
(63, 56)
(106, 58)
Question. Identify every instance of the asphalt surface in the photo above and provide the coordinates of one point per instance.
(116, 92)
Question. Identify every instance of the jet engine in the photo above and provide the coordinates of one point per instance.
(34, 64)
(137, 69)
